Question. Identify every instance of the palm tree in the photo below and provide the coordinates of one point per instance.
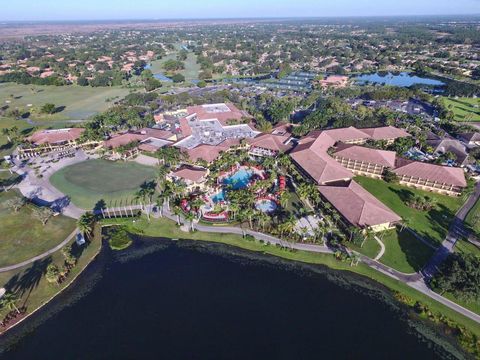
(263, 219)
(177, 211)
(284, 199)
(86, 223)
(190, 217)
(146, 192)
(9, 300)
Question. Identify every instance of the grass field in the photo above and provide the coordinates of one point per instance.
(79, 102)
(404, 252)
(5, 147)
(431, 225)
(473, 218)
(191, 71)
(90, 181)
(23, 237)
(370, 248)
(463, 108)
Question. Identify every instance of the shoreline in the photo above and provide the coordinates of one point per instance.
(298, 256)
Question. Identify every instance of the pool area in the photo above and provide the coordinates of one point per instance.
(218, 197)
(239, 180)
(266, 205)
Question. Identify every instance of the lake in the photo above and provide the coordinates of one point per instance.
(191, 300)
(403, 79)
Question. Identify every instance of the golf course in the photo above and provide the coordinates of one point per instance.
(90, 181)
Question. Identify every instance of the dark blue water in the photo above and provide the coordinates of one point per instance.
(192, 301)
(403, 79)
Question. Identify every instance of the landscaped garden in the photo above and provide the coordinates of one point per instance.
(23, 236)
(90, 181)
(464, 109)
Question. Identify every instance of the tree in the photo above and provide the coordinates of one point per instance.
(67, 254)
(459, 275)
(86, 223)
(389, 176)
(48, 108)
(43, 214)
(52, 273)
(15, 203)
(8, 301)
(178, 78)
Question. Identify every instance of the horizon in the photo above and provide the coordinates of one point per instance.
(145, 10)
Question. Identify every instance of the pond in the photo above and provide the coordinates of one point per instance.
(403, 79)
(189, 300)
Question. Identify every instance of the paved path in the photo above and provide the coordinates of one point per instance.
(457, 230)
(382, 248)
(41, 256)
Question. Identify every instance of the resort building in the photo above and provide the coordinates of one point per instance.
(385, 133)
(365, 161)
(445, 145)
(441, 179)
(358, 207)
(268, 145)
(52, 140)
(472, 139)
(193, 177)
(214, 125)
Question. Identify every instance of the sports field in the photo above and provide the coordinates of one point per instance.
(23, 236)
(90, 181)
(79, 102)
(465, 109)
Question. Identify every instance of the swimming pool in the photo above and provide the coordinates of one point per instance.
(266, 205)
(218, 197)
(239, 180)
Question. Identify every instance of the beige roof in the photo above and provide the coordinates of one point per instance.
(271, 142)
(55, 136)
(320, 166)
(385, 133)
(346, 134)
(441, 174)
(372, 156)
(357, 205)
(190, 173)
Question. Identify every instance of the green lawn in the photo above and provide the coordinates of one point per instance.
(90, 181)
(431, 225)
(463, 108)
(79, 102)
(473, 218)
(370, 247)
(29, 282)
(23, 236)
(192, 68)
(404, 252)
(25, 129)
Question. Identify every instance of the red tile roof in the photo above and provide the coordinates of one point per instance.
(372, 156)
(385, 133)
(221, 112)
(55, 136)
(122, 140)
(190, 173)
(358, 206)
(441, 174)
(271, 142)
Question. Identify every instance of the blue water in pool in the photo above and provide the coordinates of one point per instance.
(239, 180)
(218, 197)
(266, 206)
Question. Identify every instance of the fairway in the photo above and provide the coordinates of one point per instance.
(79, 102)
(90, 181)
(192, 68)
(23, 237)
(464, 108)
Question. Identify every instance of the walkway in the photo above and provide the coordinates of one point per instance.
(41, 256)
(382, 248)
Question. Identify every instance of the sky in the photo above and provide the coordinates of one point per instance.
(42, 10)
